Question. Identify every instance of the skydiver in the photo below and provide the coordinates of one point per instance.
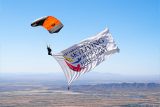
(49, 50)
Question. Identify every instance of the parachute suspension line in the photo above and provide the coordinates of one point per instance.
(71, 73)
(58, 56)
(73, 77)
(64, 69)
(68, 73)
(79, 74)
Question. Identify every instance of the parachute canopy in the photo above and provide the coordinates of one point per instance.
(85, 56)
(50, 23)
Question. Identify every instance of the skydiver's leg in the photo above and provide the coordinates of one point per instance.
(49, 50)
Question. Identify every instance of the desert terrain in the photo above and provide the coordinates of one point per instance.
(52, 94)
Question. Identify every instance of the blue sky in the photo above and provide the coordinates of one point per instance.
(134, 25)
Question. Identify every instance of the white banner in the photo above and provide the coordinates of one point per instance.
(86, 55)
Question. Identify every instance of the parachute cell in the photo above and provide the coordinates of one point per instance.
(50, 23)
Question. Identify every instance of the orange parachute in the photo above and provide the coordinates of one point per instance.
(50, 23)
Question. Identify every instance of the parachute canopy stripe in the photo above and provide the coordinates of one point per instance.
(50, 23)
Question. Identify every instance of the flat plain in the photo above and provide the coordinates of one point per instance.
(52, 94)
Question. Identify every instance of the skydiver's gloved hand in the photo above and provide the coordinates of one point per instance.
(49, 50)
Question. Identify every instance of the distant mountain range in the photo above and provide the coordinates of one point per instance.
(92, 78)
(93, 81)
(104, 88)
(127, 85)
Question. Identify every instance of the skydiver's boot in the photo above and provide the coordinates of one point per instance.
(49, 50)
(49, 53)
